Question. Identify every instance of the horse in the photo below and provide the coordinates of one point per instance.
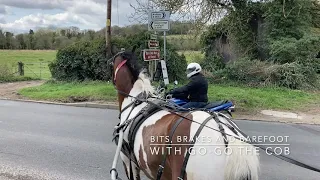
(158, 142)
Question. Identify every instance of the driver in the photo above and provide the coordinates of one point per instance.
(196, 89)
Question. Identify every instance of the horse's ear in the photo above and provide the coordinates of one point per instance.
(114, 49)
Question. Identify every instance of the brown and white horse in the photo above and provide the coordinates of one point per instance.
(211, 158)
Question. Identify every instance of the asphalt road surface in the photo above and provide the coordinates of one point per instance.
(39, 141)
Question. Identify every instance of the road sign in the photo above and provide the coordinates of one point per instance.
(153, 44)
(159, 15)
(151, 54)
(164, 72)
(153, 36)
(159, 25)
(159, 21)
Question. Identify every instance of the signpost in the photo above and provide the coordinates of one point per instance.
(159, 21)
(153, 36)
(151, 54)
(159, 25)
(153, 44)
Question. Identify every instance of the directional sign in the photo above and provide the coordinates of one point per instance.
(153, 44)
(151, 54)
(159, 21)
(153, 36)
(160, 25)
(159, 15)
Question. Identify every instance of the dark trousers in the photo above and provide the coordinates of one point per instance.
(194, 105)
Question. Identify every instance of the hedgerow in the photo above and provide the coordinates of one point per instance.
(87, 60)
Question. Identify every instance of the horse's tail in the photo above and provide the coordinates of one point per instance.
(242, 161)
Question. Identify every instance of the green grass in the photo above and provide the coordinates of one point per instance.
(36, 61)
(264, 98)
(245, 98)
(5, 79)
(184, 42)
(71, 92)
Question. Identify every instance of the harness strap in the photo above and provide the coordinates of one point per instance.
(131, 171)
(185, 162)
(137, 122)
(161, 166)
(117, 69)
(125, 149)
(125, 109)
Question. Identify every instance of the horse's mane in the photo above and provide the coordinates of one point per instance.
(142, 81)
(132, 63)
(144, 84)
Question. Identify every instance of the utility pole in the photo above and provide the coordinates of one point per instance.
(108, 29)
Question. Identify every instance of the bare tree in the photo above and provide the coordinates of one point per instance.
(200, 11)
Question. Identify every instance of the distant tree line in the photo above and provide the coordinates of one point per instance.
(44, 39)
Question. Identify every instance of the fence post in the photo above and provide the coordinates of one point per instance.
(40, 70)
(21, 68)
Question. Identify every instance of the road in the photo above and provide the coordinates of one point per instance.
(39, 141)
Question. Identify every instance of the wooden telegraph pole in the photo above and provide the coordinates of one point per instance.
(108, 29)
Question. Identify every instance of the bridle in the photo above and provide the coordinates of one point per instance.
(117, 69)
(111, 62)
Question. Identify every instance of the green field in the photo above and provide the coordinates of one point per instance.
(36, 61)
(184, 42)
(245, 98)
(192, 56)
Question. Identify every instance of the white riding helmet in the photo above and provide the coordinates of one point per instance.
(192, 69)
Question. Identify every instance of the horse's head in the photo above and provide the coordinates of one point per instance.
(125, 72)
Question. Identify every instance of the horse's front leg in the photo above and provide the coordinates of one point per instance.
(134, 168)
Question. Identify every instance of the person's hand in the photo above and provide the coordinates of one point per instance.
(170, 91)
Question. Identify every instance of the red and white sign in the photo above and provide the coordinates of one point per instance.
(153, 44)
(151, 54)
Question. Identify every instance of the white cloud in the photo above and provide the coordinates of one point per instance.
(85, 14)
(46, 20)
(37, 4)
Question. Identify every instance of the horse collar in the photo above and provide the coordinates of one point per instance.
(117, 69)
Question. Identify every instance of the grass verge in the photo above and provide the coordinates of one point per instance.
(5, 79)
(245, 98)
(71, 92)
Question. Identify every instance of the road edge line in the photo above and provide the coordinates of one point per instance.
(88, 105)
(115, 107)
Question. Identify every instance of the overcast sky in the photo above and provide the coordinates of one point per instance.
(22, 15)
